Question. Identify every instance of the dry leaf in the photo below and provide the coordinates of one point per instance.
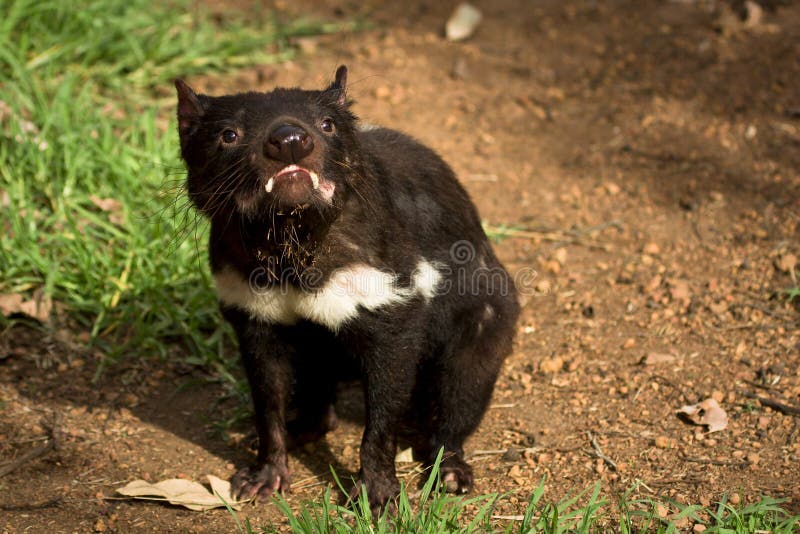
(187, 493)
(10, 303)
(109, 205)
(405, 456)
(707, 413)
(39, 307)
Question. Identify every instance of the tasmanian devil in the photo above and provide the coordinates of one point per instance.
(340, 248)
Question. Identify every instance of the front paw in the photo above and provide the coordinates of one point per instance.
(381, 494)
(260, 482)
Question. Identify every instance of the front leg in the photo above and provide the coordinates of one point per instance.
(389, 361)
(266, 355)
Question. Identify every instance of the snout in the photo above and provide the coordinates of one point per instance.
(289, 143)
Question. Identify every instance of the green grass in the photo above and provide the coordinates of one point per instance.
(792, 293)
(86, 114)
(433, 511)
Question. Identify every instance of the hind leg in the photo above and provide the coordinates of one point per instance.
(460, 410)
(464, 384)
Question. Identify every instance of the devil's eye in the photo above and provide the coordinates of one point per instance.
(229, 136)
(327, 125)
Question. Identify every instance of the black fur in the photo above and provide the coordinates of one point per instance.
(428, 365)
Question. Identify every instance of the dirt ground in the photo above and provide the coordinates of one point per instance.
(652, 151)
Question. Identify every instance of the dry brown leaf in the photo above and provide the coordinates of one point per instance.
(39, 307)
(10, 303)
(186, 493)
(405, 456)
(109, 205)
(708, 413)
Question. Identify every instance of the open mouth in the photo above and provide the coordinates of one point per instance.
(293, 173)
(295, 183)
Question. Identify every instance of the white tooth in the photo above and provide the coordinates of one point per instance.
(314, 179)
(270, 184)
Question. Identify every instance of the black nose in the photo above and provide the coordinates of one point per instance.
(289, 143)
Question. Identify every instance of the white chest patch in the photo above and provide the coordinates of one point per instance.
(349, 289)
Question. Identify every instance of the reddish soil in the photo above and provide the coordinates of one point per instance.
(651, 150)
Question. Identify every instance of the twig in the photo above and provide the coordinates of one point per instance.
(560, 238)
(766, 387)
(27, 457)
(510, 517)
(481, 178)
(310, 485)
(709, 461)
(763, 309)
(785, 409)
(747, 326)
(308, 482)
(55, 501)
(494, 452)
(52, 443)
(599, 452)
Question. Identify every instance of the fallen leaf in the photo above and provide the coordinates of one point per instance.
(707, 413)
(39, 307)
(109, 205)
(186, 493)
(10, 303)
(405, 456)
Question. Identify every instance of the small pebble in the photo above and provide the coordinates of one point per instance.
(463, 22)
(511, 455)
(551, 365)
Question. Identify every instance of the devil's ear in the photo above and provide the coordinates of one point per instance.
(339, 85)
(189, 107)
